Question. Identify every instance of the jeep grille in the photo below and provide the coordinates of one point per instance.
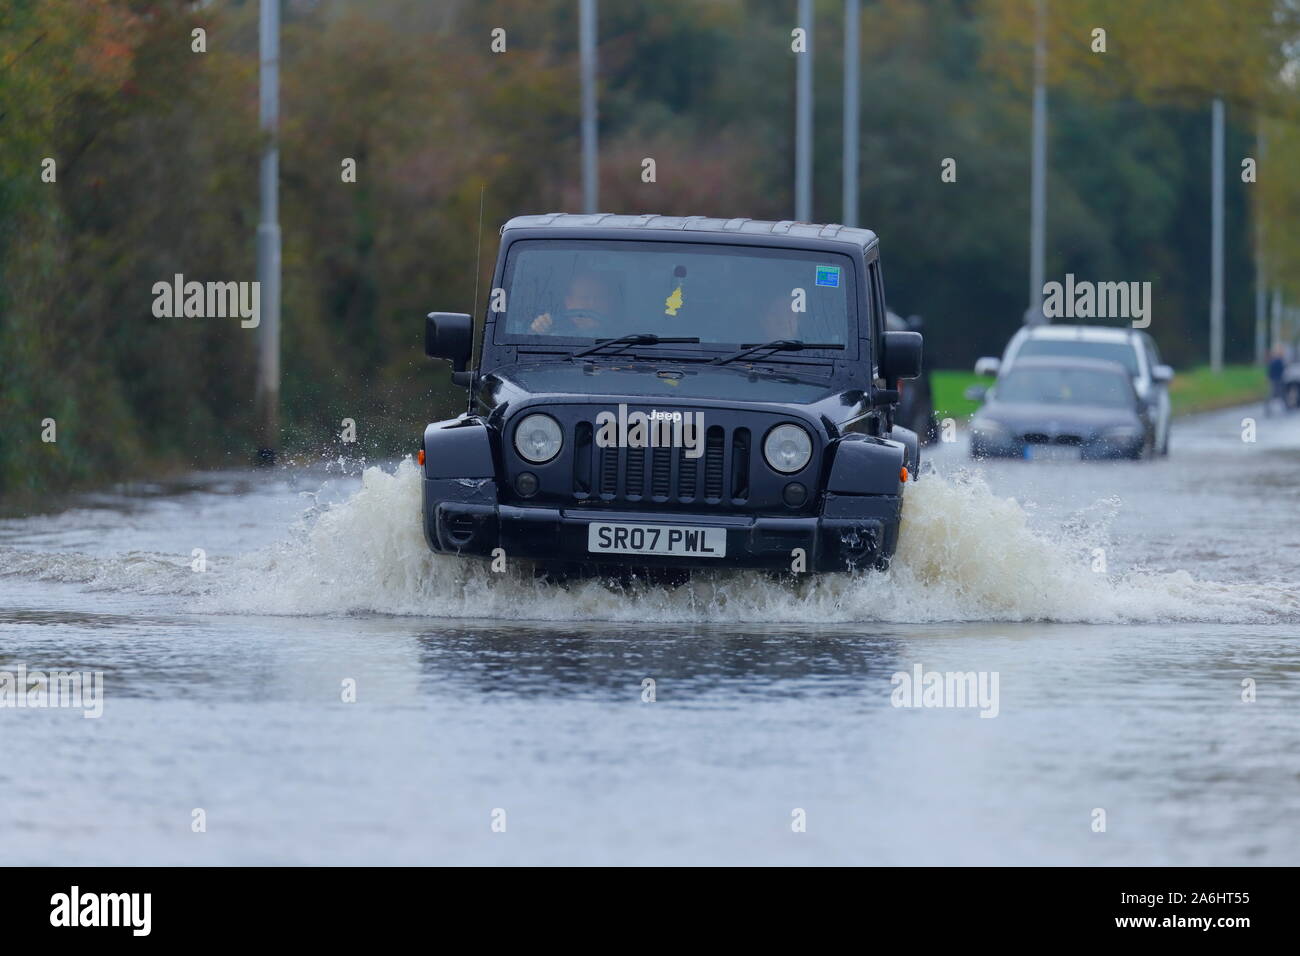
(620, 474)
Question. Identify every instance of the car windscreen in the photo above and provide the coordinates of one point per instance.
(577, 291)
(1121, 352)
(1065, 386)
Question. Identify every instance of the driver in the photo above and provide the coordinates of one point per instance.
(590, 302)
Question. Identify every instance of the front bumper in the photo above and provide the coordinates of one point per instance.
(986, 446)
(852, 532)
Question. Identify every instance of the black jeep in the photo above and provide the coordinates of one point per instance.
(659, 392)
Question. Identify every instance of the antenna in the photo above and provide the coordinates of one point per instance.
(478, 254)
(473, 316)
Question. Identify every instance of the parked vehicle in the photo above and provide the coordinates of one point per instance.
(1063, 409)
(675, 392)
(1133, 349)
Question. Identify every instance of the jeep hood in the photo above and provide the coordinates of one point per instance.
(657, 381)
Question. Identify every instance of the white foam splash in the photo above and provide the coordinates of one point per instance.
(965, 554)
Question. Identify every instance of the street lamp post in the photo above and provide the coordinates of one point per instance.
(1038, 173)
(587, 56)
(852, 44)
(1216, 239)
(803, 119)
(267, 394)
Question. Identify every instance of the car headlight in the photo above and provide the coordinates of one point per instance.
(988, 426)
(538, 438)
(787, 448)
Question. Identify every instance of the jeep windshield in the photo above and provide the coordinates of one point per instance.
(574, 293)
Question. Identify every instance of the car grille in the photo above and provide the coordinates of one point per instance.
(1038, 438)
(664, 475)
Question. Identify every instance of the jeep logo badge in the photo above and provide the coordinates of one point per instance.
(653, 429)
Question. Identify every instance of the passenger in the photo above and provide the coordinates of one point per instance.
(590, 304)
(779, 320)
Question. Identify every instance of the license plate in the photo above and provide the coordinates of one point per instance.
(657, 539)
(1052, 452)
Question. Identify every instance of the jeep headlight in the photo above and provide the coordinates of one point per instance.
(787, 448)
(538, 438)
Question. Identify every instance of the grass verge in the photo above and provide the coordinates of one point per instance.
(949, 386)
(1196, 390)
(1200, 390)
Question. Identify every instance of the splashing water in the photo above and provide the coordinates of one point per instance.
(965, 554)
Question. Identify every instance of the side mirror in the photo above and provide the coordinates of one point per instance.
(988, 366)
(902, 355)
(976, 393)
(1162, 374)
(449, 335)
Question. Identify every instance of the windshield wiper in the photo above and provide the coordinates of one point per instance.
(639, 338)
(780, 345)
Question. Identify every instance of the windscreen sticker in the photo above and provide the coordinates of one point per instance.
(674, 301)
(828, 276)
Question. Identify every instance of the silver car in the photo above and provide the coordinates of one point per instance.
(1135, 350)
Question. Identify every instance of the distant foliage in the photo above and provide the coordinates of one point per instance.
(156, 146)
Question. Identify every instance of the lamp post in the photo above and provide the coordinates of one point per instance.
(267, 394)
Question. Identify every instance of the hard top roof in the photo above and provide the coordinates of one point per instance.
(655, 223)
(1082, 333)
(1063, 362)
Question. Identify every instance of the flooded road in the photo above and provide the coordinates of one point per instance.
(1114, 610)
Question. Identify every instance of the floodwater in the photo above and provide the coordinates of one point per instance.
(1135, 628)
